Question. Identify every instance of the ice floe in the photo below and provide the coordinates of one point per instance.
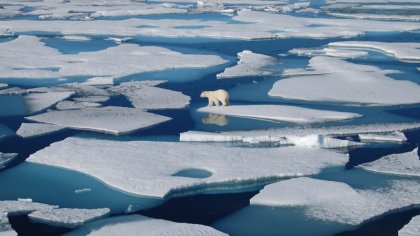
(333, 79)
(70, 105)
(31, 130)
(28, 57)
(395, 136)
(397, 164)
(377, 16)
(114, 120)
(249, 64)
(232, 168)
(68, 217)
(3, 85)
(402, 51)
(412, 228)
(143, 95)
(137, 225)
(6, 158)
(22, 207)
(36, 102)
(280, 113)
(332, 52)
(5, 227)
(92, 99)
(338, 202)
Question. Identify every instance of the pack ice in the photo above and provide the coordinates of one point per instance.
(68, 217)
(158, 172)
(412, 228)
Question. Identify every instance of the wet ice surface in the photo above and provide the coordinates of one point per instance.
(129, 75)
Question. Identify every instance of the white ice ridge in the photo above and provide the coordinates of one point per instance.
(331, 52)
(6, 158)
(412, 228)
(143, 95)
(259, 25)
(249, 64)
(31, 130)
(114, 120)
(230, 168)
(395, 136)
(28, 57)
(68, 217)
(402, 51)
(278, 135)
(292, 114)
(36, 102)
(22, 207)
(5, 227)
(338, 202)
(333, 79)
(138, 225)
(396, 164)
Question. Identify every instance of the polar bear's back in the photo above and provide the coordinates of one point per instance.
(221, 93)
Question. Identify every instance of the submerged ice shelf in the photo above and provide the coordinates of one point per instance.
(231, 168)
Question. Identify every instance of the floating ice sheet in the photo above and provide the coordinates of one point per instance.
(395, 136)
(338, 202)
(6, 158)
(280, 113)
(137, 225)
(397, 164)
(249, 64)
(114, 120)
(70, 105)
(232, 168)
(68, 217)
(30, 130)
(22, 207)
(402, 51)
(333, 79)
(332, 52)
(412, 228)
(5, 227)
(36, 102)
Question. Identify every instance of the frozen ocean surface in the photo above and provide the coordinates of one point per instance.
(103, 131)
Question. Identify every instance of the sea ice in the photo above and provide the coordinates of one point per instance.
(396, 164)
(409, 52)
(31, 130)
(70, 105)
(68, 217)
(412, 228)
(92, 99)
(249, 64)
(114, 120)
(6, 158)
(338, 202)
(292, 114)
(22, 207)
(36, 102)
(332, 52)
(5, 227)
(138, 225)
(377, 16)
(395, 136)
(3, 85)
(232, 168)
(336, 80)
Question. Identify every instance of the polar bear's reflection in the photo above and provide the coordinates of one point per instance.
(215, 119)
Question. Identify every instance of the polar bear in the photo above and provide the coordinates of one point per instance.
(216, 96)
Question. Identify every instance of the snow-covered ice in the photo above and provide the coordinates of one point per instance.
(138, 225)
(395, 136)
(3, 85)
(5, 227)
(250, 64)
(31, 130)
(412, 228)
(397, 164)
(333, 79)
(68, 217)
(332, 52)
(143, 95)
(409, 52)
(338, 202)
(292, 114)
(114, 120)
(6, 158)
(36, 102)
(22, 207)
(231, 167)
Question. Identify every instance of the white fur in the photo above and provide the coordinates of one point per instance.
(216, 97)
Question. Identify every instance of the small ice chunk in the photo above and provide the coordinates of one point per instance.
(138, 225)
(114, 120)
(6, 158)
(397, 164)
(412, 228)
(249, 64)
(83, 190)
(31, 130)
(70, 105)
(68, 217)
(22, 207)
(395, 136)
(280, 113)
(13, 91)
(230, 166)
(36, 102)
(76, 38)
(338, 202)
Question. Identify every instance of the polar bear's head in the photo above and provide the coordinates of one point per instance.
(203, 94)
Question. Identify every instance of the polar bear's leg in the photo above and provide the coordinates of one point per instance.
(216, 101)
(210, 102)
(225, 102)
